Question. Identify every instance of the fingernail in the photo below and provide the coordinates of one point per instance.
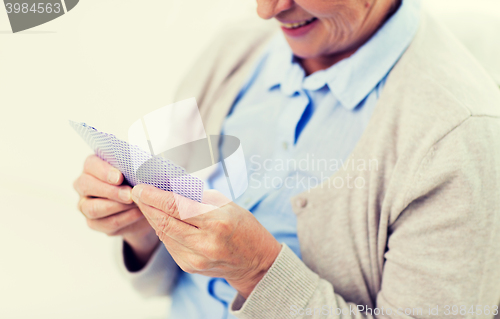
(124, 194)
(114, 176)
(136, 193)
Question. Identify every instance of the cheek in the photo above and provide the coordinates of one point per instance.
(339, 22)
(336, 14)
(336, 30)
(340, 25)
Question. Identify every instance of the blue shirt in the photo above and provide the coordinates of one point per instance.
(297, 130)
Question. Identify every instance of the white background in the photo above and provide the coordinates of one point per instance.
(107, 62)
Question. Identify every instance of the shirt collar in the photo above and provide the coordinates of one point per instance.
(353, 78)
(281, 68)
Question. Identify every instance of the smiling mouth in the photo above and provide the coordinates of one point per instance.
(297, 25)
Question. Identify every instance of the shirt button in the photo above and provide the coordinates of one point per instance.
(285, 146)
(301, 202)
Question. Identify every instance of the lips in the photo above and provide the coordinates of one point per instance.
(296, 29)
(297, 24)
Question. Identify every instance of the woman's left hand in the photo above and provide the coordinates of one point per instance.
(226, 242)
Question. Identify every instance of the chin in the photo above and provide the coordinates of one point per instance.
(304, 52)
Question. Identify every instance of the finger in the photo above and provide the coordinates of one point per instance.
(112, 225)
(181, 254)
(157, 198)
(87, 185)
(192, 211)
(154, 224)
(167, 226)
(102, 170)
(95, 208)
(173, 204)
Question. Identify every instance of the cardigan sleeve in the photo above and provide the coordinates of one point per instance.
(443, 248)
(156, 278)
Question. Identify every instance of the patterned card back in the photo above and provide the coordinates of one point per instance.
(156, 171)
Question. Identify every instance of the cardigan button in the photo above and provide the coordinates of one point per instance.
(301, 202)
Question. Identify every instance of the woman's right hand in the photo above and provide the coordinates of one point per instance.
(108, 207)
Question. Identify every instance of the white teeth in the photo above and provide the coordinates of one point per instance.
(296, 25)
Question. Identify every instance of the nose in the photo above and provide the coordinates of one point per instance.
(267, 9)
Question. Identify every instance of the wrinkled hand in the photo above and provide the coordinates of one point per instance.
(108, 207)
(226, 242)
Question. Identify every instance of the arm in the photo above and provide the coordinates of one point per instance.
(443, 248)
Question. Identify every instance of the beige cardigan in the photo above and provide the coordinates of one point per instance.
(424, 229)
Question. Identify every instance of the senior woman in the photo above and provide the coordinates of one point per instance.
(406, 226)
